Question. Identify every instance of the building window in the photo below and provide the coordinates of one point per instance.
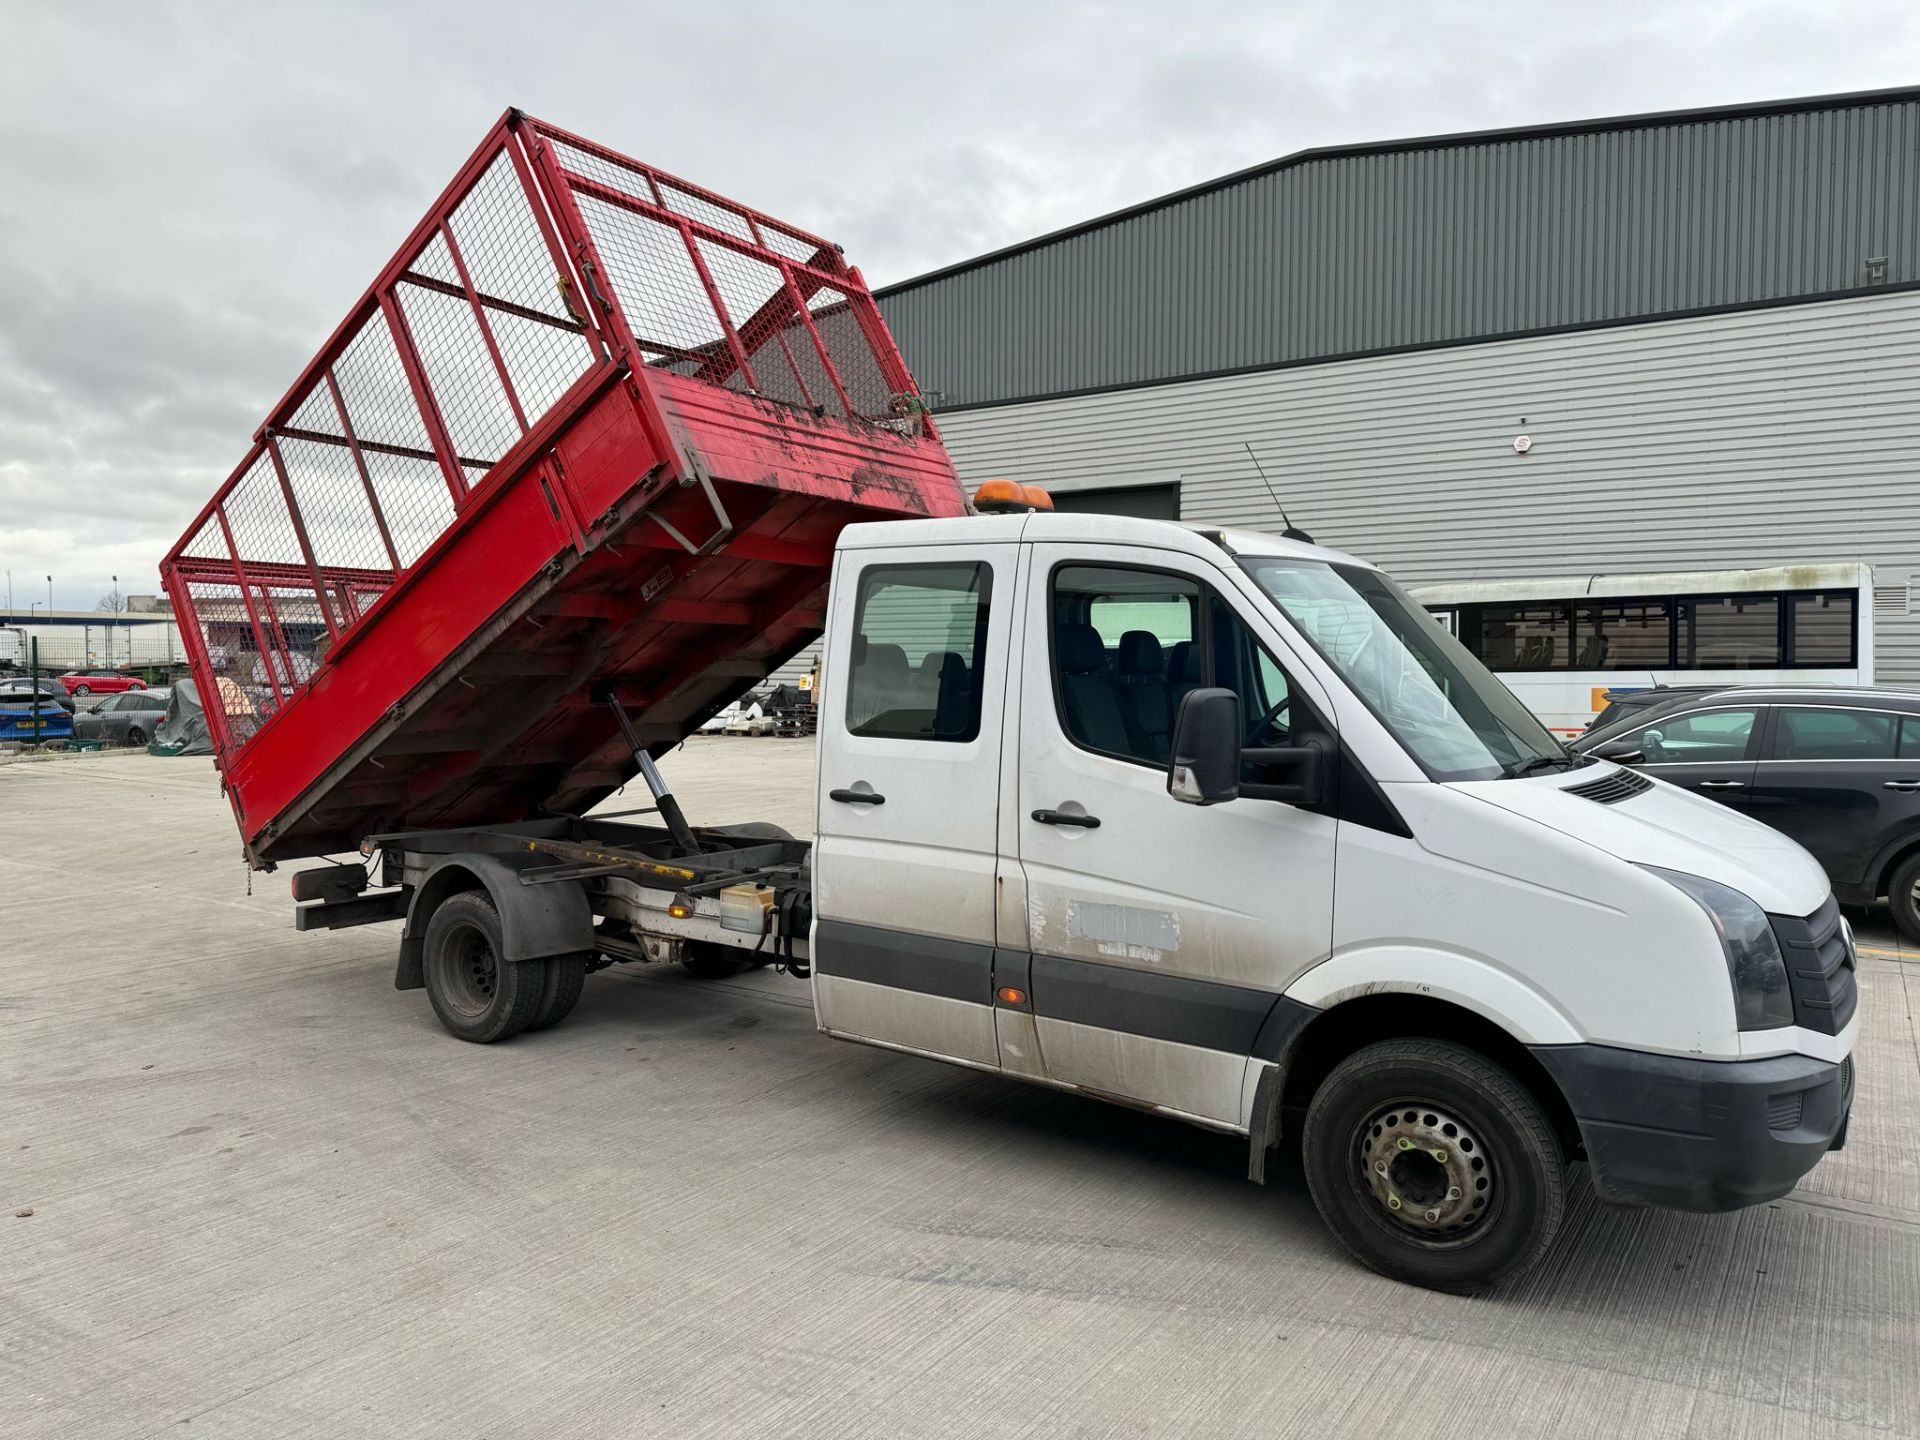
(919, 638)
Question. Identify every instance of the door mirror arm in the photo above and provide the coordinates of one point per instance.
(1308, 765)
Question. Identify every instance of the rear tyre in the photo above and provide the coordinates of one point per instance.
(560, 992)
(136, 736)
(1903, 898)
(478, 995)
(704, 961)
(83, 690)
(1433, 1165)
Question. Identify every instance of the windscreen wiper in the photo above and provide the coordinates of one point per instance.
(1519, 769)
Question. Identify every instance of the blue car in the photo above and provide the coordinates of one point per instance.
(34, 719)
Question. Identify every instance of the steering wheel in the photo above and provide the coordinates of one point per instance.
(1273, 713)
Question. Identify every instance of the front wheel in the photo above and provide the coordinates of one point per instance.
(478, 995)
(138, 685)
(1433, 1165)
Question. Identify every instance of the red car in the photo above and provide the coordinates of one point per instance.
(100, 682)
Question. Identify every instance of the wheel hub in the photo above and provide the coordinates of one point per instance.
(1425, 1168)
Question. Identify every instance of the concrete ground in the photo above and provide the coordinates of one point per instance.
(271, 1198)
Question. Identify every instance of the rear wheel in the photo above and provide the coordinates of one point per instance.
(478, 995)
(1433, 1165)
(83, 690)
(136, 736)
(1903, 897)
(560, 991)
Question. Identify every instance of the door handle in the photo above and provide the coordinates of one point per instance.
(1901, 785)
(856, 797)
(1723, 784)
(1062, 817)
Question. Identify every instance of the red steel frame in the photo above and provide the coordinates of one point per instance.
(583, 468)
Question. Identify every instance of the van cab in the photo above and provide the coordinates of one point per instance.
(1226, 827)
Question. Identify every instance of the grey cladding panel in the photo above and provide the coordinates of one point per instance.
(1371, 251)
(1768, 437)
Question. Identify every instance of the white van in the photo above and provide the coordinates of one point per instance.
(1223, 826)
(1220, 826)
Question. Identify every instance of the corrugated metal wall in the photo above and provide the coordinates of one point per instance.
(1766, 437)
(1367, 252)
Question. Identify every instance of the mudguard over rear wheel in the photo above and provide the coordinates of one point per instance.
(1433, 1165)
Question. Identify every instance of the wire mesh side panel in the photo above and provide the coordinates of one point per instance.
(469, 341)
(727, 296)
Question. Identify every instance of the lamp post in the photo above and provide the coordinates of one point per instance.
(49, 597)
(112, 626)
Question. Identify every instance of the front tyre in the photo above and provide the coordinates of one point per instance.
(477, 994)
(1433, 1165)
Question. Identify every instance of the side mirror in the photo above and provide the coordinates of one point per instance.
(1621, 752)
(1205, 768)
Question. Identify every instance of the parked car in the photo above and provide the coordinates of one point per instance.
(1837, 769)
(100, 682)
(129, 719)
(31, 717)
(19, 687)
(1621, 704)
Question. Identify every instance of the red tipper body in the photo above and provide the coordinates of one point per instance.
(593, 429)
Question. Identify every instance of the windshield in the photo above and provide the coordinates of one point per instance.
(1452, 715)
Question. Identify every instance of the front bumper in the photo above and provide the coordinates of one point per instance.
(1700, 1134)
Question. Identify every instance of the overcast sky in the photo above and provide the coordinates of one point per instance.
(192, 194)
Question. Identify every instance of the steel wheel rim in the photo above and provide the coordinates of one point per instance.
(1427, 1173)
(469, 972)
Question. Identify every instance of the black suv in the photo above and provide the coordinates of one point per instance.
(1837, 769)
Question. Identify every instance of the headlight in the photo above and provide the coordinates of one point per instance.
(1761, 999)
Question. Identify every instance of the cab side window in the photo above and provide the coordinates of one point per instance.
(1130, 645)
(919, 641)
(1121, 641)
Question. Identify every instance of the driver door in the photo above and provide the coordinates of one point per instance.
(1160, 933)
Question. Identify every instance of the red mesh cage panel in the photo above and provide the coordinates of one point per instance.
(568, 343)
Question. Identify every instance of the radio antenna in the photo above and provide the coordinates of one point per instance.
(1290, 533)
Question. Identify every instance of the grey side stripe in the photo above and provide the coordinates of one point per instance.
(925, 964)
(1210, 1014)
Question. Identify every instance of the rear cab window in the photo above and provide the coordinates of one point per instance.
(919, 641)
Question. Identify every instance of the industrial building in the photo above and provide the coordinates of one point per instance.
(1682, 342)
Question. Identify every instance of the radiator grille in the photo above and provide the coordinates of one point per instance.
(1820, 968)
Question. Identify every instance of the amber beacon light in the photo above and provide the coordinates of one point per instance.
(1004, 497)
